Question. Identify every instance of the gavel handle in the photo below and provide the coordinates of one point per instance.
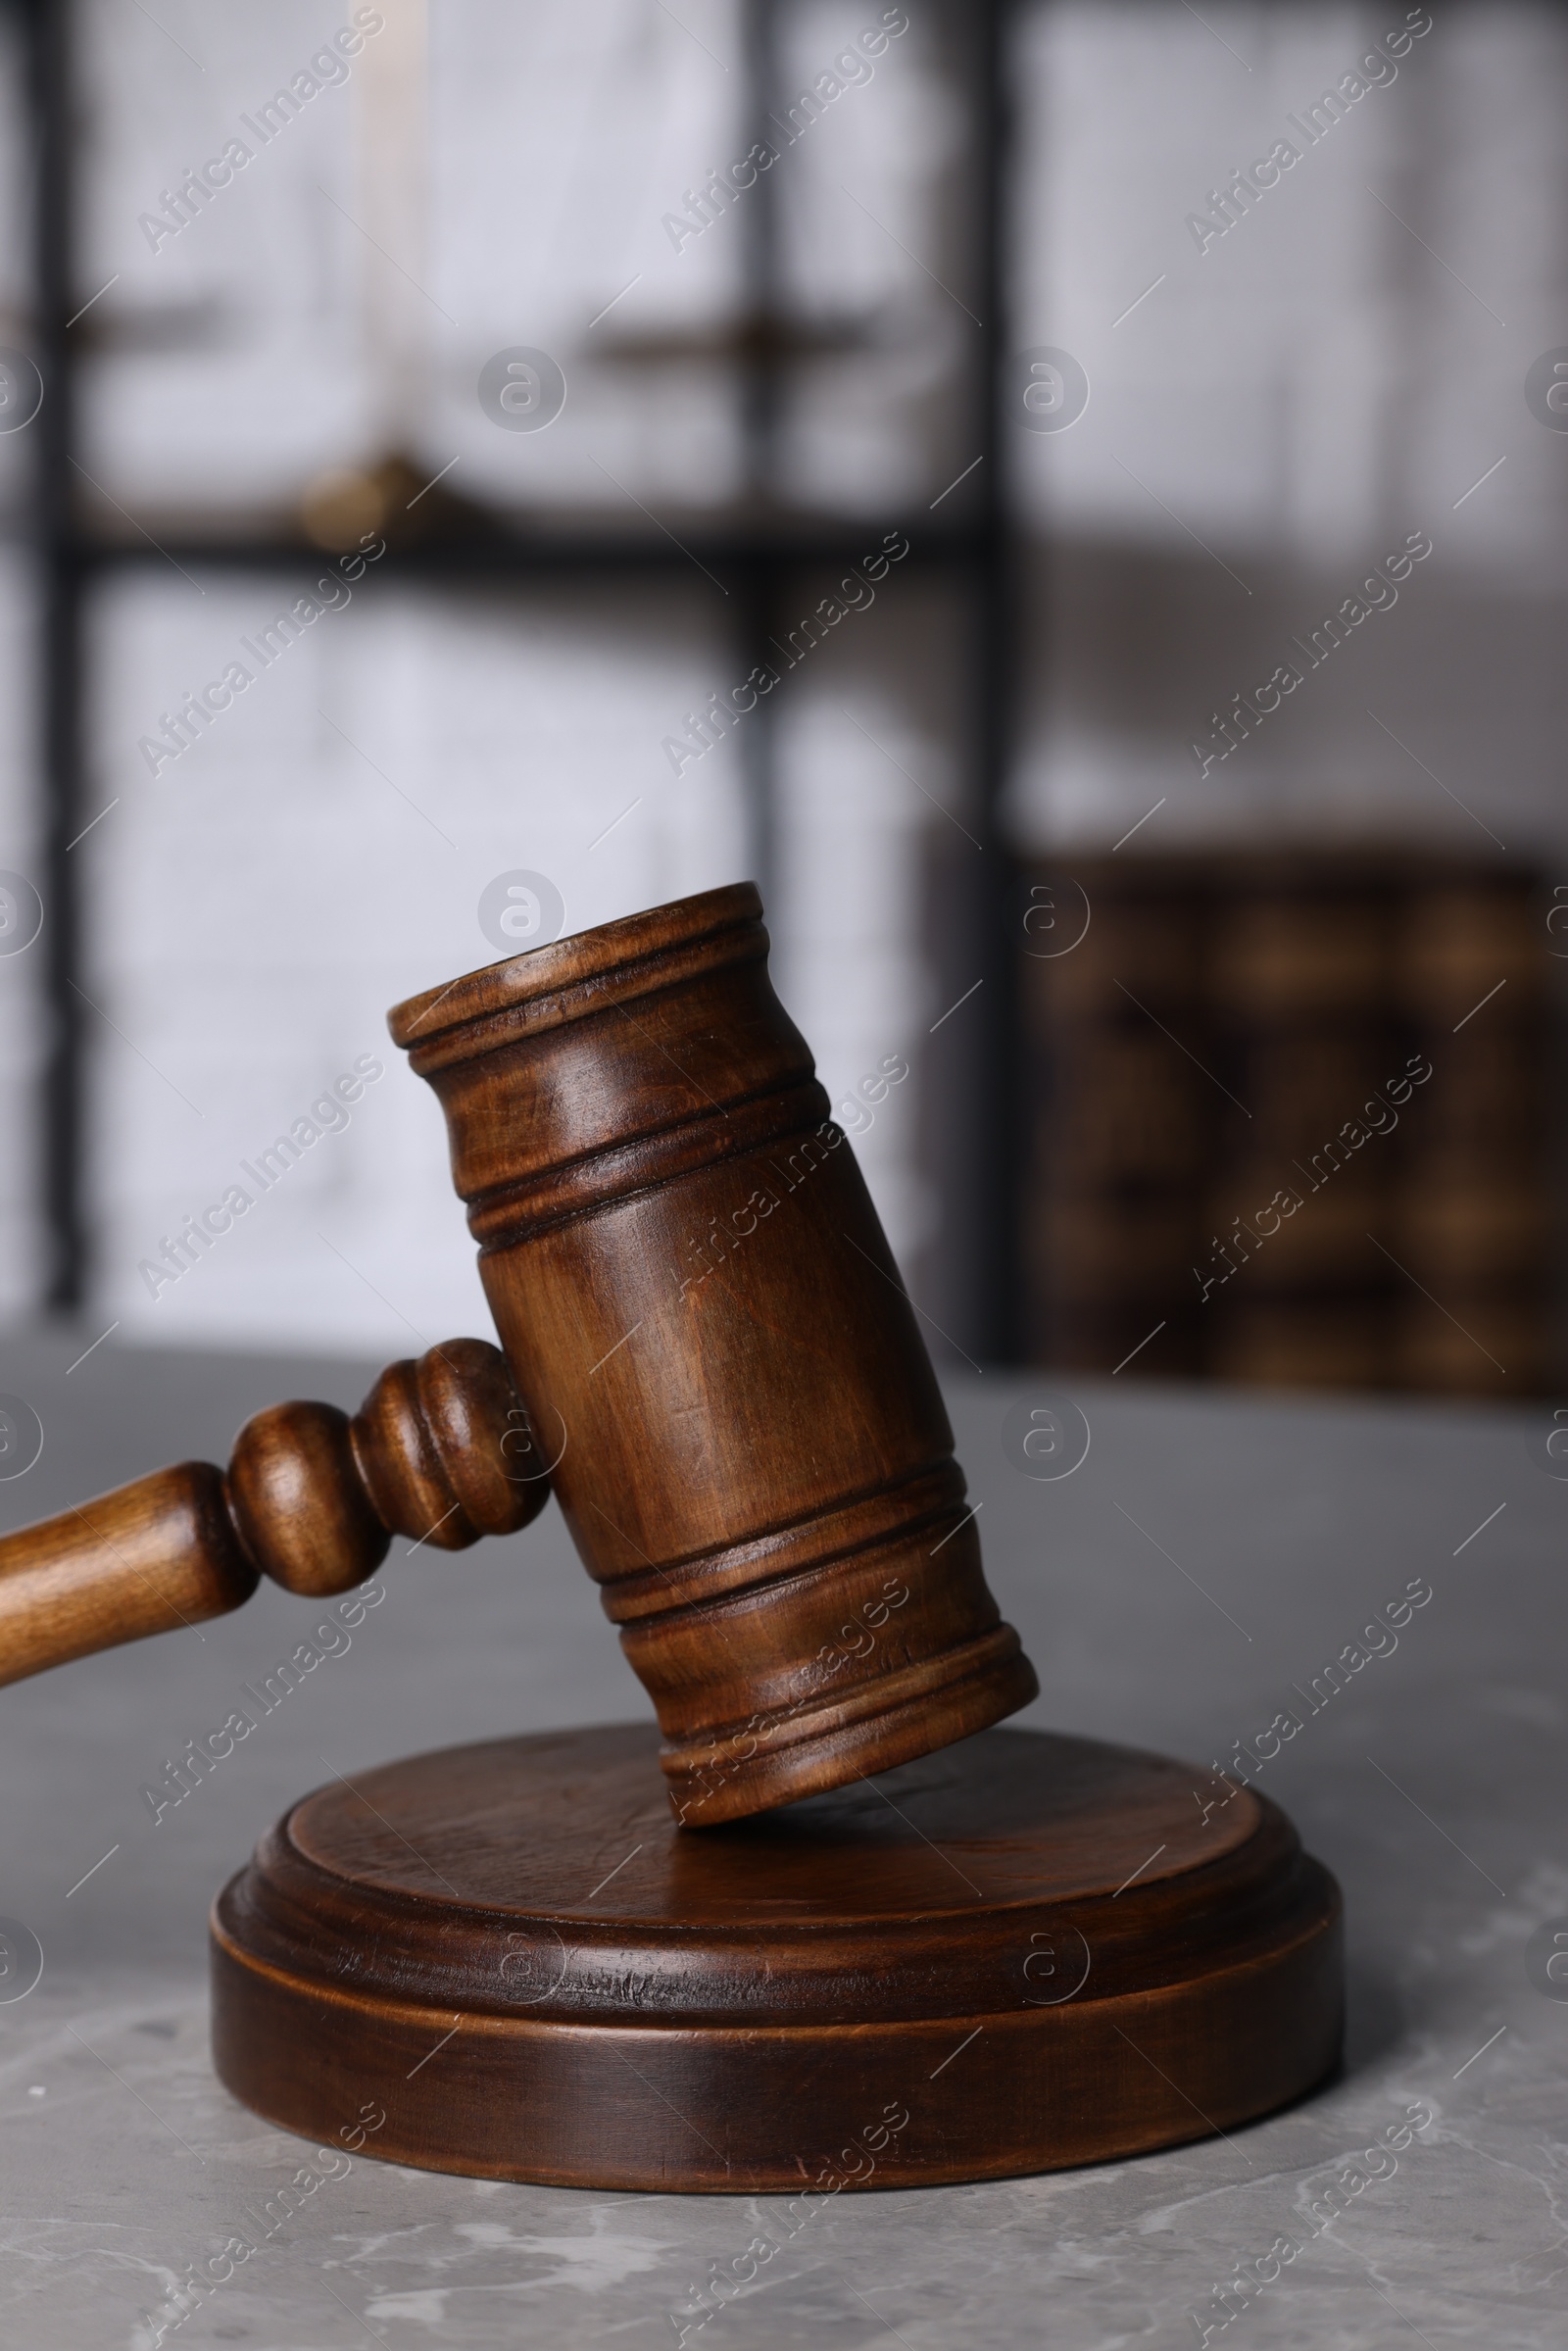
(439, 1451)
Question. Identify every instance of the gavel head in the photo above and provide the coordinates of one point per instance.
(716, 1356)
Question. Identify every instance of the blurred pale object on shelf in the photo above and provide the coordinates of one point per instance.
(479, 178)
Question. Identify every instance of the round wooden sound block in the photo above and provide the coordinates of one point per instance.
(1023, 1953)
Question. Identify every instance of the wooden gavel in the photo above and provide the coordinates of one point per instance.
(439, 1451)
(710, 1338)
(706, 1332)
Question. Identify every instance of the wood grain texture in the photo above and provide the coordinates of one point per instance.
(1030, 1947)
(716, 1355)
(147, 1559)
(311, 1498)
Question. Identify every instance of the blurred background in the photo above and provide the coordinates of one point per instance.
(1188, 787)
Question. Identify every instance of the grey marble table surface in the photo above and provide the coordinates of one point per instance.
(1208, 1556)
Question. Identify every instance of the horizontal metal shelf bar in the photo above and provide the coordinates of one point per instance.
(525, 558)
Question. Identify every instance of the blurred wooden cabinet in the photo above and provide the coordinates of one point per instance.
(1290, 1120)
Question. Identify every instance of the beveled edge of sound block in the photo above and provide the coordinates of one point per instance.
(897, 2031)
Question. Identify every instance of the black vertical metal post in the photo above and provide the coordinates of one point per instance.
(759, 392)
(760, 556)
(995, 626)
(48, 25)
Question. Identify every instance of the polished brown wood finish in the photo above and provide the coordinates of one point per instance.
(1023, 1953)
(438, 1451)
(717, 1355)
(147, 1559)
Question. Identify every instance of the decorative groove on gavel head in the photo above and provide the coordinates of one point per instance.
(689, 1281)
(440, 1451)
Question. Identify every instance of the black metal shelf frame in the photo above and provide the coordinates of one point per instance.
(977, 554)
